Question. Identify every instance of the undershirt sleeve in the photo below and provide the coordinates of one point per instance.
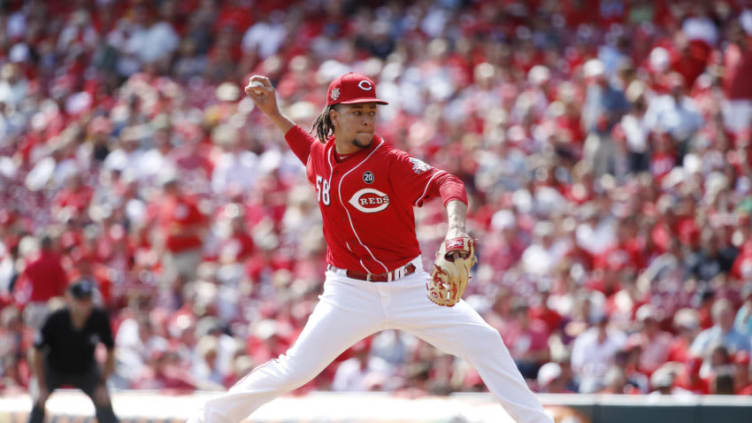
(299, 142)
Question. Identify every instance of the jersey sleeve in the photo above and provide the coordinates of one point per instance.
(300, 142)
(417, 181)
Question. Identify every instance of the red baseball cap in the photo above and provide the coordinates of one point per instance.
(352, 88)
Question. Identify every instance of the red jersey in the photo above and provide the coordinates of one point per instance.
(44, 277)
(367, 199)
(181, 219)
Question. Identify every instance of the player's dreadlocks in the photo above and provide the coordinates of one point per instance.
(323, 126)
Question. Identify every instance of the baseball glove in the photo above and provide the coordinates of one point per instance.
(451, 271)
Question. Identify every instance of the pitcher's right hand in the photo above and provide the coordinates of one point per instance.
(261, 91)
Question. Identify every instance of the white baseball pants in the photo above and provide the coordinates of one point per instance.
(350, 310)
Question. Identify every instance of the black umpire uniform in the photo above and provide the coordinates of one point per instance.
(64, 352)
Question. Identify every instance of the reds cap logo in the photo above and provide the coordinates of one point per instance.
(365, 85)
(369, 200)
(335, 93)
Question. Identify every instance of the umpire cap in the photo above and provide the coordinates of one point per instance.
(82, 289)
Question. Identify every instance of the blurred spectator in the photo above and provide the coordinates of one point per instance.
(137, 341)
(182, 227)
(723, 383)
(689, 378)
(686, 324)
(737, 62)
(235, 167)
(265, 37)
(362, 371)
(742, 380)
(241, 366)
(544, 253)
(636, 132)
(551, 379)
(603, 108)
(43, 278)
(662, 381)
(206, 369)
(593, 353)
(543, 311)
(654, 342)
(528, 341)
(627, 360)
(14, 373)
(718, 362)
(722, 333)
(13, 85)
(674, 114)
(164, 372)
(743, 320)
(615, 382)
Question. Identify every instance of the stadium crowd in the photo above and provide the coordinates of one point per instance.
(606, 146)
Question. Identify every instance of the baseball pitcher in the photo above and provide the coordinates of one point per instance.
(366, 191)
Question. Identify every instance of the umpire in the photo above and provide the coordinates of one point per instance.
(63, 353)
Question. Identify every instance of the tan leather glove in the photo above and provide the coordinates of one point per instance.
(451, 271)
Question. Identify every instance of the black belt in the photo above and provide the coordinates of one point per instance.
(394, 275)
